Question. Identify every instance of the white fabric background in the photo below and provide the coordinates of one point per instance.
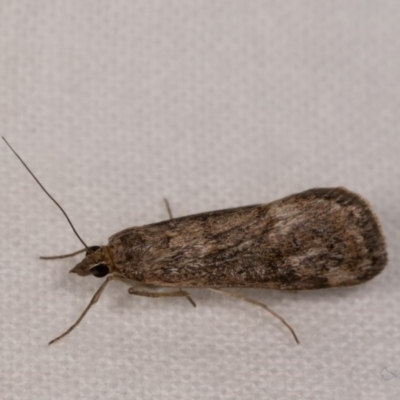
(115, 105)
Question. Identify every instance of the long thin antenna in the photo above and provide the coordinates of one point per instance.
(48, 194)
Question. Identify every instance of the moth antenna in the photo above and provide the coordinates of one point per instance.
(48, 194)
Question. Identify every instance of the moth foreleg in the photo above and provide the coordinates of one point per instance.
(62, 256)
(94, 300)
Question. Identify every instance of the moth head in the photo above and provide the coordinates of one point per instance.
(96, 263)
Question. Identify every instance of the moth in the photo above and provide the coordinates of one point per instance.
(319, 238)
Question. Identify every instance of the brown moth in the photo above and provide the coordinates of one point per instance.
(320, 238)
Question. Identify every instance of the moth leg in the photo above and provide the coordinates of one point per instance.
(171, 217)
(62, 256)
(94, 300)
(140, 290)
(257, 303)
(168, 208)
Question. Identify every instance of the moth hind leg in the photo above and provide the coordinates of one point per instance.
(144, 290)
(257, 303)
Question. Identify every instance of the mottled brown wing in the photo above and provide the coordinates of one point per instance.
(315, 239)
(220, 213)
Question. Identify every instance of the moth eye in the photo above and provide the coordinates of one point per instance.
(100, 270)
(92, 249)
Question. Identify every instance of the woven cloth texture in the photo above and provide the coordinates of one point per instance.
(211, 104)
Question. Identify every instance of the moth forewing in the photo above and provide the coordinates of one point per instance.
(316, 239)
